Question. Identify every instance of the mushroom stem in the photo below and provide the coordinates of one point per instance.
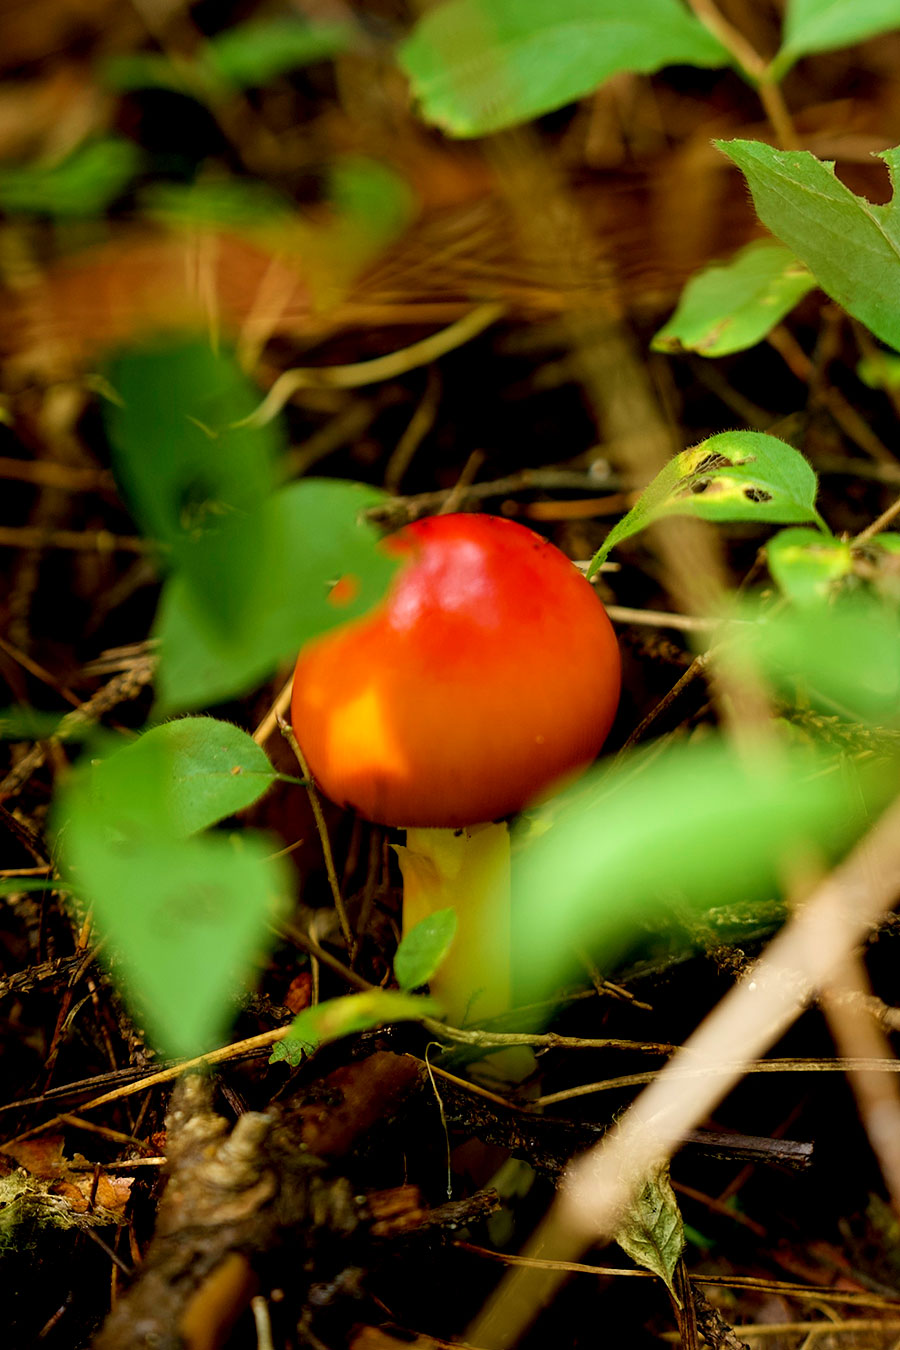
(469, 870)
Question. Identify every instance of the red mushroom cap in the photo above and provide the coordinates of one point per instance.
(488, 672)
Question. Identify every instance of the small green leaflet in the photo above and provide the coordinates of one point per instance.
(822, 25)
(312, 534)
(881, 371)
(81, 185)
(694, 824)
(806, 563)
(184, 919)
(851, 245)
(737, 475)
(211, 770)
(477, 66)
(423, 948)
(730, 306)
(249, 55)
(345, 1016)
(652, 1233)
(253, 54)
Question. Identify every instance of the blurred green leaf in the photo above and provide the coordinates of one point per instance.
(81, 185)
(823, 25)
(312, 535)
(730, 306)
(213, 769)
(849, 244)
(843, 657)
(477, 66)
(737, 475)
(132, 71)
(231, 203)
(29, 724)
(194, 480)
(184, 919)
(805, 563)
(370, 198)
(652, 1232)
(691, 827)
(254, 53)
(881, 371)
(424, 947)
(339, 1017)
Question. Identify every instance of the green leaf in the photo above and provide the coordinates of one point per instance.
(697, 826)
(81, 185)
(851, 245)
(881, 371)
(843, 657)
(231, 203)
(806, 563)
(731, 306)
(312, 534)
(30, 724)
(477, 66)
(194, 480)
(424, 947)
(133, 71)
(652, 1232)
(212, 769)
(253, 54)
(345, 1016)
(370, 199)
(822, 25)
(737, 475)
(183, 919)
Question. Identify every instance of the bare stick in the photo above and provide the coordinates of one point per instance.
(288, 733)
(374, 371)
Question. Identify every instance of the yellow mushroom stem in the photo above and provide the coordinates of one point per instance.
(468, 870)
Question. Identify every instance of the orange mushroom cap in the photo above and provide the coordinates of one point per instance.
(487, 673)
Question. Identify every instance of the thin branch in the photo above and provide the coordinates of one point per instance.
(381, 368)
(340, 909)
(754, 67)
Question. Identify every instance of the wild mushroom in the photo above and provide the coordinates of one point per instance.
(487, 675)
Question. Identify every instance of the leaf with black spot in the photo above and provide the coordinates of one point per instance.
(737, 475)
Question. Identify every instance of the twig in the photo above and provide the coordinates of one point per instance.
(89, 541)
(697, 666)
(380, 368)
(287, 732)
(50, 473)
(850, 1064)
(277, 710)
(417, 429)
(882, 522)
(657, 618)
(753, 66)
(858, 1035)
(120, 688)
(548, 1039)
(466, 477)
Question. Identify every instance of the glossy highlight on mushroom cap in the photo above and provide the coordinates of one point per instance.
(488, 672)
